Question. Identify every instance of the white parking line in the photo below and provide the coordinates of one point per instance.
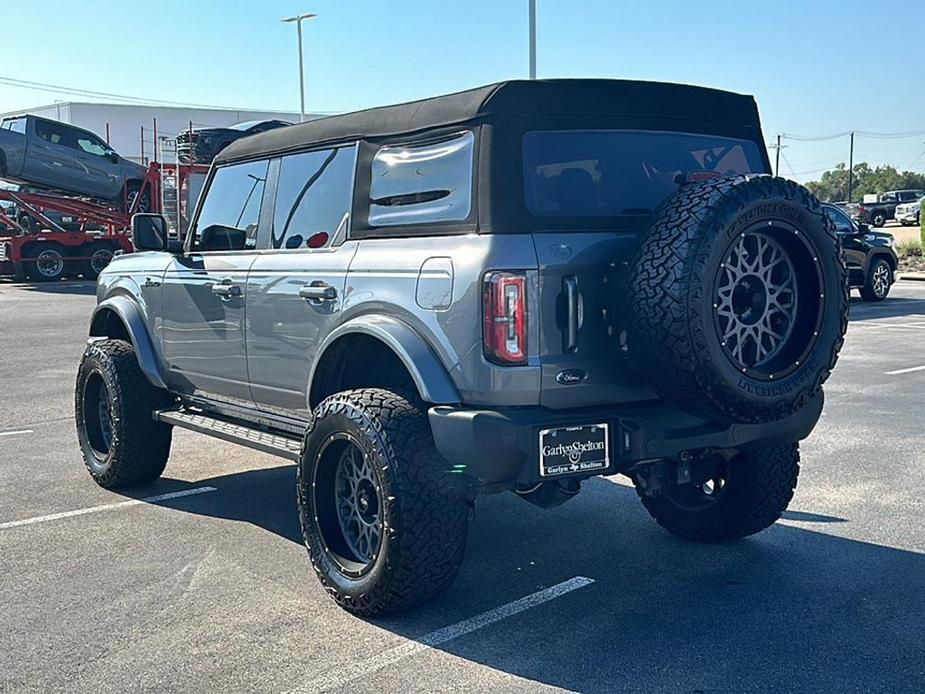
(107, 507)
(905, 371)
(339, 677)
(16, 433)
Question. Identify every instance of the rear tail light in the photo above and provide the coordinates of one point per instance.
(505, 317)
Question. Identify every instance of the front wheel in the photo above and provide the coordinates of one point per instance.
(383, 519)
(736, 497)
(122, 444)
(878, 220)
(878, 281)
(131, 194)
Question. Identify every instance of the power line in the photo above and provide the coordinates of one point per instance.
(861, 133)
(77, 91)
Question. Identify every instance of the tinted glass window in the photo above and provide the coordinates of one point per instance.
(91, 145)
(603, 173)
(231, 209)
(52, 132)
(842, 222)
(314, 195)
(417, 184)
(17, 125)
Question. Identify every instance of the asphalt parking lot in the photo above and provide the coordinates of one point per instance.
(211, 590)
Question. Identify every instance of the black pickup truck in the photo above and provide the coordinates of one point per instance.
(877, 213)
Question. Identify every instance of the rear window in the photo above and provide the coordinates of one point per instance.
(607, 173)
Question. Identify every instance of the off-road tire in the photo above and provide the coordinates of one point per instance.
(424, 510)
(139, 446)
(672, 330)
(760, 485)
(870, 291)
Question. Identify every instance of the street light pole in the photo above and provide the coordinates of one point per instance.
(298, 22)
(532, 39)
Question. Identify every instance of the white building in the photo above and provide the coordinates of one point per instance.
(125, 122)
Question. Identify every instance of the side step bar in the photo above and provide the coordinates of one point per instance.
(274, 444)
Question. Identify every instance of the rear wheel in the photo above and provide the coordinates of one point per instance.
(384, 521)
(878, 281)
(99, 256)
(46, 262)
(736, 497)
(878, 219)
(121, 443)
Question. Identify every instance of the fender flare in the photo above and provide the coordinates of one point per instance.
(128, 312)
(427, 371)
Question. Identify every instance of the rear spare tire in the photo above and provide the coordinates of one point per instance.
(739, 301)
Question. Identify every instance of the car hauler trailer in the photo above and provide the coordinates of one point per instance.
(52, 235)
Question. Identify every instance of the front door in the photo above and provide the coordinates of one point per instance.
(103, 175)
(295, 289)
(205, 289)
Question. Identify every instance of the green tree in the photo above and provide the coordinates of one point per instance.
(832, 186)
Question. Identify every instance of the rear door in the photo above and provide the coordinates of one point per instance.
(52, 158)
(295, 289)
(595, 192)
(205, 288)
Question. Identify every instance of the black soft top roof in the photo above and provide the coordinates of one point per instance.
(560, 97)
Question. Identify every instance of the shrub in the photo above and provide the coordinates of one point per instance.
(909, 249)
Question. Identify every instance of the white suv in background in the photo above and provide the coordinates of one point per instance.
(909, 213)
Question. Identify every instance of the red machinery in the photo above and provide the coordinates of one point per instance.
(83, 235)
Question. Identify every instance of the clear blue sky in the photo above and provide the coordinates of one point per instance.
(816, 67)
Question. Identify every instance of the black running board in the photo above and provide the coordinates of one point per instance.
(274, 444)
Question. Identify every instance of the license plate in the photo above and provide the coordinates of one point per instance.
(574, 450)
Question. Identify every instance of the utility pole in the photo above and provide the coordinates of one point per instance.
(851, 168)
(778, 147)
(532, 39)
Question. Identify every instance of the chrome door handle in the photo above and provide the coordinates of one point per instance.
(226, 290)
(318, 292)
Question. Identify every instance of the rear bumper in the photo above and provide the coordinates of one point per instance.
(501, 447)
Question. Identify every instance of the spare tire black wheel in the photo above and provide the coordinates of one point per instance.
(739, 299)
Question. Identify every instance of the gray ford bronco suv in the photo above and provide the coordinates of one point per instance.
(512, 288)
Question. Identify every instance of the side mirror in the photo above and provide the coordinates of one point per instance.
(863, 228)
(149, 232)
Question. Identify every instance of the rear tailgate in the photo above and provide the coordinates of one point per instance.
(581, 278)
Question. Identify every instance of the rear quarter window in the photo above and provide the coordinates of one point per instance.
(422, 183)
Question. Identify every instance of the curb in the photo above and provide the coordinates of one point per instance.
(914, 276)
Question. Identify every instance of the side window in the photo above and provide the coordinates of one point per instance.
(417, 184)
(17, 125)
(54, 133)
(314, 195)
(230, 212)
(91, 145)
(842, 222)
